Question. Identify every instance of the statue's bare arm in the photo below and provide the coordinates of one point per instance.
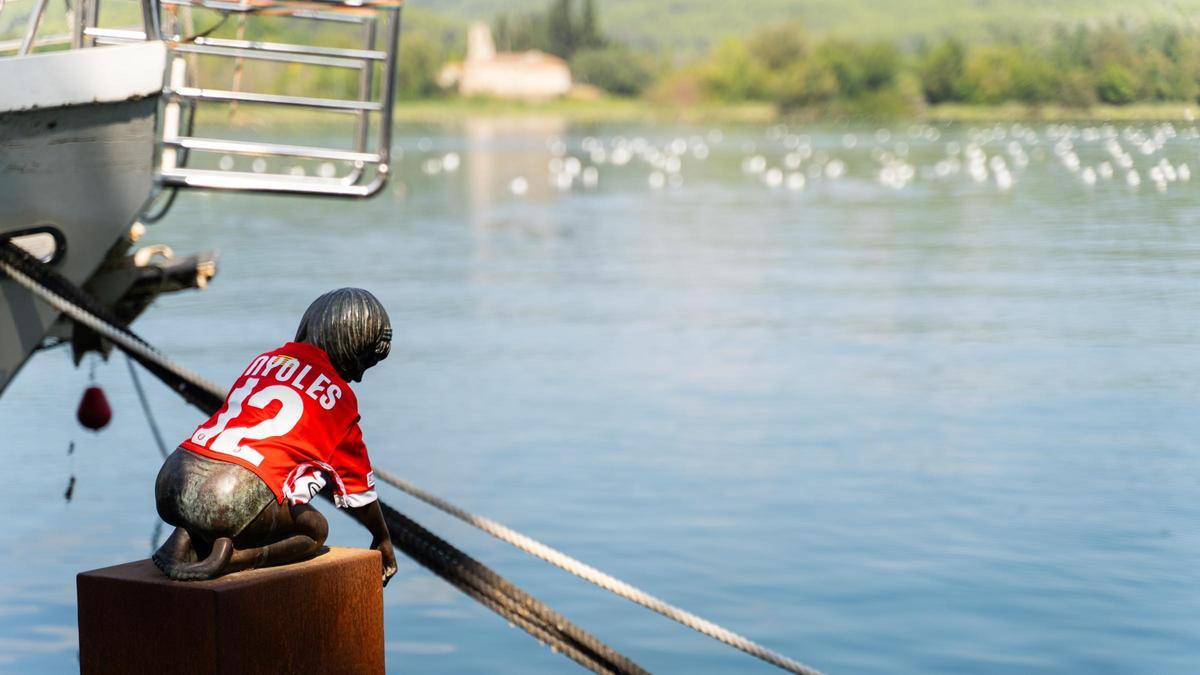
(371, 517)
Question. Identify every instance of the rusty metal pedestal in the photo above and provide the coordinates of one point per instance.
(324, 615)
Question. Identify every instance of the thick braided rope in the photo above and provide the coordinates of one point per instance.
(595, 576)
(535, 630)
(145, 353)
(107, 327)
(465, 572)
(439, 556)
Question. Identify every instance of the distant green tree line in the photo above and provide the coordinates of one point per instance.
(1073, 66)
(780, 63)
(1070, 66)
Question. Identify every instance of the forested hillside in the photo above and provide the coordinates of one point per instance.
(692, 25)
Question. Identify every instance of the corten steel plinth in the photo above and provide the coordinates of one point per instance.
(324, 615)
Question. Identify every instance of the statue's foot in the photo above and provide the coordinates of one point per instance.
(209, 568)
(162, 561)
(176, 549)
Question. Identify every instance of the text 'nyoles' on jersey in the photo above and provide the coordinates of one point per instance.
(290, 369)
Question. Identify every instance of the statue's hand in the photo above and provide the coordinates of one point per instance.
(389, 558)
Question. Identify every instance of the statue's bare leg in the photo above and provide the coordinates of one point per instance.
(227, 520)
(283, 535)
(279, 535)
(209, 568)
(177, 548)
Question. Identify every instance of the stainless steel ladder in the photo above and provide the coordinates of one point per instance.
(194, 157)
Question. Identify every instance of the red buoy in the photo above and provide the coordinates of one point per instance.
(94, 411)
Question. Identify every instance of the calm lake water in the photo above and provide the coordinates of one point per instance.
(929, 411)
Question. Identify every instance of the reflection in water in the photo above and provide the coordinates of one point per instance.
(503, 149)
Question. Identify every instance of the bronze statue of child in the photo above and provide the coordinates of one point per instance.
(238, 490)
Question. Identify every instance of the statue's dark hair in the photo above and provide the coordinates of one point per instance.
(353, 328)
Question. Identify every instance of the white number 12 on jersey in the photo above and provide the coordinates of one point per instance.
(229, 440)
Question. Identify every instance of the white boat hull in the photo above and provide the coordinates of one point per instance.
(77, 157)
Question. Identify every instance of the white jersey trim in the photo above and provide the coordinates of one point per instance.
(306, 480)
(355, 500)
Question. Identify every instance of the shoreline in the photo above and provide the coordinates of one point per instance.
(617, 109)
(635, 110)
(1016, 112)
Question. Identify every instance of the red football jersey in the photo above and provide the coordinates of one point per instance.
(293, 421)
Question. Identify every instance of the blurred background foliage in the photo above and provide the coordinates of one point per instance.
(851, 56)
(848, 57)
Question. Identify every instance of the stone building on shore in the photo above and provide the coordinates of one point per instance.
(520, 75)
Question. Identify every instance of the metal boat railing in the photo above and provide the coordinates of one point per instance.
(199, 150)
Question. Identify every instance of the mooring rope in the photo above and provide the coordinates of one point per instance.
(67, 298)
(595, 576)
(473, 577)
(439, 556)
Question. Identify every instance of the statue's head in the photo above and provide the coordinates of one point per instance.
(352, 327)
